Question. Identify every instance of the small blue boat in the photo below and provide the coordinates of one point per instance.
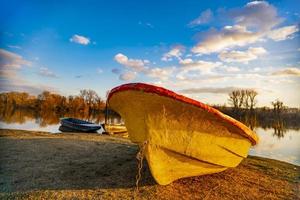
(79, 125)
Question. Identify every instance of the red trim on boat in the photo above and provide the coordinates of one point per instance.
(168, 93)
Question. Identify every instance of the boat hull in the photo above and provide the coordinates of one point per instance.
(182, 139)
(78, 125)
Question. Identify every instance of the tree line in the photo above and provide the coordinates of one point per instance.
(87, 101)
(87, 105)
(245, 99)
(243, 108)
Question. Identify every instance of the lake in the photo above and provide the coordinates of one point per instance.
(281, 144)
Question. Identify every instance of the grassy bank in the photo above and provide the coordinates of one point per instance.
(39, 165)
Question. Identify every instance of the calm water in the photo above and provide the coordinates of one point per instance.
(276, 144)
(285, 148)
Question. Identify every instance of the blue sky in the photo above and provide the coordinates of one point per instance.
(197, 48)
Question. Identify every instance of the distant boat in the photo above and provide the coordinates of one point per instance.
(112, 129)
(72, 124)
(182, 137)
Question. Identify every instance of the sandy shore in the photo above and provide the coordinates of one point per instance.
(40, 165)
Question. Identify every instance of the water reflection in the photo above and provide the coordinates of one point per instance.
(45, 118)
(278, 124)
(278, 139)
(285, 148)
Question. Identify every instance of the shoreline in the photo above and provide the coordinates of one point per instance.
(37, 164)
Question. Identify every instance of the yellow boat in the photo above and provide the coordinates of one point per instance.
(182, 137)
(114, 128)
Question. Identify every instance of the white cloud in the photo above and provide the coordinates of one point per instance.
(9, 60)
(256, 69)
(199, 65)
(99, 71)
(229, 36)
(22, 85)
(14, 47)
(183, 80)
(128, 76)
(293, 71)
(141, 66)
(80, 39)
(160, 73)
(283, 33)
(44, 71)
(10, 64)
(224, 90)
(242, 56)
(146, 24)
(230, 68)
(186, 61)
(176, 52)
(191, 70)
(10, 79)
(259, 15)
(255, 22)
(133, 64)
(204, 18)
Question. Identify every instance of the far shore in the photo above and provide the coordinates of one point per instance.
(42, 165)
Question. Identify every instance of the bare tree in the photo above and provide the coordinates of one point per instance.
(233, 99)
(249, 99)
(277, 106)
(252, 95)
(237, 98)
(241, 97)
(89, 96)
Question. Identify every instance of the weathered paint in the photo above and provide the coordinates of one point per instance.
(184, 137)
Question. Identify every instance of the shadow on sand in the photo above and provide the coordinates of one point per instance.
(37, 164)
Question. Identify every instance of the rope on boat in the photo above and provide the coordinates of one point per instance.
(140, 157)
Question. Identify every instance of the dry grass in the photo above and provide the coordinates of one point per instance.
(37, 165)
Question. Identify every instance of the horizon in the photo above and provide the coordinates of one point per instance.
(203, 51)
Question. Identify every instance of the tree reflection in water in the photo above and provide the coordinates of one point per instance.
(277, 124)
(45, 118)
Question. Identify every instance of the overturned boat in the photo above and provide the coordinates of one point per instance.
(73, 125)
(182, 137)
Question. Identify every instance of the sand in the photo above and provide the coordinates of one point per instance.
(41, 165)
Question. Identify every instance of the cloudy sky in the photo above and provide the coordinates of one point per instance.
(201, 49)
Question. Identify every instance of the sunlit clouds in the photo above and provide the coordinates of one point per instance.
(288, 72)
(128, 76)
(44, 71)
(283, 33)
(80, 39)
(242, 56)
(228, 37)
(233, 56)
(175, 52)
(135, 66)
(10, 60)
(10, 78)
(205, 17)
(200, 49)
(254, 22)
